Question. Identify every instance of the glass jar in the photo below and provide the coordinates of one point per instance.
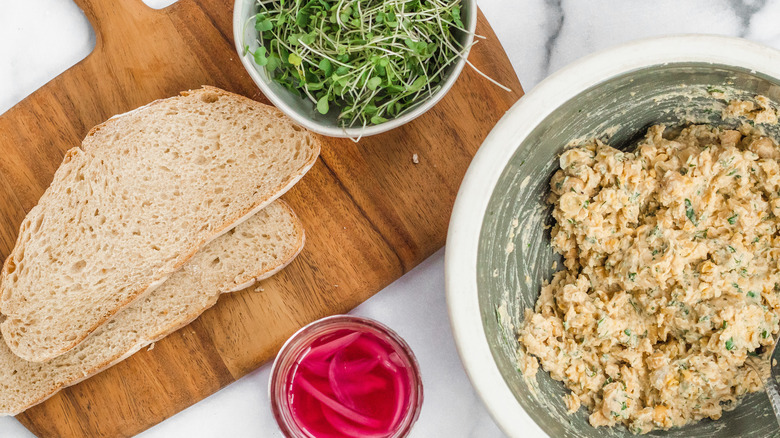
(286, 369)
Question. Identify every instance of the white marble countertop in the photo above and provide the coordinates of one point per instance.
(540, 36)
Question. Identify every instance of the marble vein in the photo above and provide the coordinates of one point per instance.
(745, 10)
(556, 18)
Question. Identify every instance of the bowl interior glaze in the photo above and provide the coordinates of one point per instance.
(619, 111)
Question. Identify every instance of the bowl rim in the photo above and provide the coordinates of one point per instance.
(240, 16)
(495, 153)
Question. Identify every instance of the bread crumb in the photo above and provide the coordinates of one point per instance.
(151, 346)
(415, 159)
(495, 272)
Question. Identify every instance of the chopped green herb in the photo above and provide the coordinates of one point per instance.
(765, 334)
(731, 249)
(751, 294)
(623, 406)
(730, 344)
(689, 211)
(627, 332)
(725, 324)
(733, 219)
(711, 89)
(585, 204)
(632, 276)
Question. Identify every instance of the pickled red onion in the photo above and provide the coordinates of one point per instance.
(351, 430)
(330, 348)
(377, 352)
(351, 384)
(354, 368)
(335, 384)
(317, 367)
(365, 385)
(341, 373)
(339, 408)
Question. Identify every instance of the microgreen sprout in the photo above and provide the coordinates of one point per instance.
(369, 60)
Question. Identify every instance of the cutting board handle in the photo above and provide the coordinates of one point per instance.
(112, 18)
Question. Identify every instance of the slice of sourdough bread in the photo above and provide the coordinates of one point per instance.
(256, 249)
(142, 194)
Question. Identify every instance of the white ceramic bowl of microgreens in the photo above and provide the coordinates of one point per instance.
(303, 111)
(495, 266)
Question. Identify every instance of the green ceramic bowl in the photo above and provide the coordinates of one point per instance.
(615, 95)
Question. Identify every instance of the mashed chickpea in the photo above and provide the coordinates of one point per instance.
(671, 276)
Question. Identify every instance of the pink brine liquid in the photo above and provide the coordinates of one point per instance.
(350, 384)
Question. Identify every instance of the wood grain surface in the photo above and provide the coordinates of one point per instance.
(370, 213)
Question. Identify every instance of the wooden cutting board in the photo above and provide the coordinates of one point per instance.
(370, 213)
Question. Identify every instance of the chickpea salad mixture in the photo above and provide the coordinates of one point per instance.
(671, 276)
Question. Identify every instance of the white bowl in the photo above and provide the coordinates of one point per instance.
(302, 110)
(531, 128)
